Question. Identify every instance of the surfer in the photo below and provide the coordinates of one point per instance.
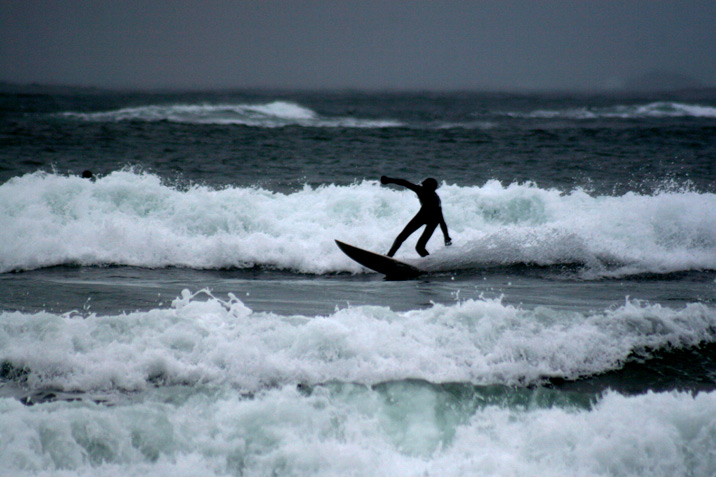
(430, 214)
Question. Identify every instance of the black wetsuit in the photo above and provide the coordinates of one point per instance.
(430, 215)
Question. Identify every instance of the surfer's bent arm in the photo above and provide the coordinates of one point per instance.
(401, 182)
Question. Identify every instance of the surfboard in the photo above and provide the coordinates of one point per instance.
(392, 269)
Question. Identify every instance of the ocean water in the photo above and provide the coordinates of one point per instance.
(186, 310)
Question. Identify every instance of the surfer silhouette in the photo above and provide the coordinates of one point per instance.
(430, 214)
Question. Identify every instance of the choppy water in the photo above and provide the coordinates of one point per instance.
(187, 310)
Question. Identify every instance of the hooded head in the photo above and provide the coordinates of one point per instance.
(430, 184)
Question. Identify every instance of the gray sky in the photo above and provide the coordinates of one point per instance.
(396, 44)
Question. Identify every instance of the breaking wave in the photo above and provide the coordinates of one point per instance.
(271, 115)
(130, 218)
(204, 340)
(660, 109)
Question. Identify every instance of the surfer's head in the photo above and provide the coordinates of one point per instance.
(430, 183)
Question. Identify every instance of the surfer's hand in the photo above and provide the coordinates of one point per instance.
(448, 241)
(384, 179)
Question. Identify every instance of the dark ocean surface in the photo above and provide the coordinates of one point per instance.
(186, 310)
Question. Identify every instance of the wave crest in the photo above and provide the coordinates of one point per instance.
(659, 109)
(129, 218)
(203, 339)
(269, 115)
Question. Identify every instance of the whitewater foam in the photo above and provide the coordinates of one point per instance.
(358, 431)
(205, 340)
(130, 218)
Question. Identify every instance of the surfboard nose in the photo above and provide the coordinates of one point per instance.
(392, 269)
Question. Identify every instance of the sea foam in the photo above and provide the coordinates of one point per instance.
(130, 218)
(209, 386)
(359, 431)
(201, 339)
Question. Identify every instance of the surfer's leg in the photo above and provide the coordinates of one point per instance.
(423, 240)
(414, 224)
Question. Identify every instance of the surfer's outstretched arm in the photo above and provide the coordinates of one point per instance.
(443, 227)
(401, 182)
